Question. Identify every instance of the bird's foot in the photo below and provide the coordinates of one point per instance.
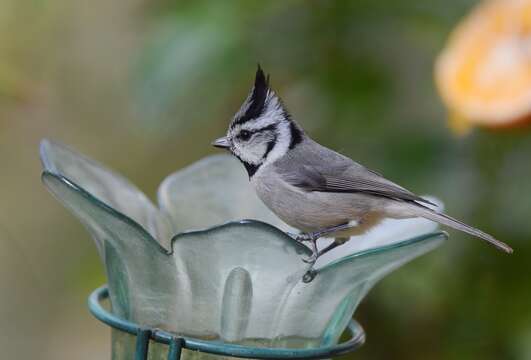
(311, 273)
(303, 237)
(309, 276)
(307, 237)
(312, 238)
(311, 259)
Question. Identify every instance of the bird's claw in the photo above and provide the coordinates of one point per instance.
(311, 273)
(310, 260)
(312, 238)
(309, 276)
(303, 237)
(297, 237)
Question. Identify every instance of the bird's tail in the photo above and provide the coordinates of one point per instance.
(458, 225)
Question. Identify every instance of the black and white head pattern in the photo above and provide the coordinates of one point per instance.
(262, 130)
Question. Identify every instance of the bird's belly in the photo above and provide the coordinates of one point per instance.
(311, 211)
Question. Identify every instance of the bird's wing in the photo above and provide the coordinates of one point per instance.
(342, 175)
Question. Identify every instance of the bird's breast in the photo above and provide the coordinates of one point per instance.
(308, 211)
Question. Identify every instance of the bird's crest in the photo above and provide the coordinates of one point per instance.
(255, 103)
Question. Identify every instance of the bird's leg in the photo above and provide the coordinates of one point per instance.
(312, 237)
(329, 230)
(310, 274)
(332, 246)
(302, 237)
(315, 253)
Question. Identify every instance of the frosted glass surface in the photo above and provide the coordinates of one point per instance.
(239, 282)
(213, 191)
(138, 269)
(104, 184)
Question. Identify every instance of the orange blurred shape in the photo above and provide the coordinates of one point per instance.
(484, 73)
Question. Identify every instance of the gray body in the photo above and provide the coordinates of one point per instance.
(311, 187)
(311, 211)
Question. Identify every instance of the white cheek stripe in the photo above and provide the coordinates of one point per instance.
(282, 143)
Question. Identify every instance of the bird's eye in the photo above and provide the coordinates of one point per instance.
(244, 135)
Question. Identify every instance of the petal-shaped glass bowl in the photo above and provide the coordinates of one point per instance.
(220, 279)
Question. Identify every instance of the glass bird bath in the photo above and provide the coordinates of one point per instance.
(188, 274)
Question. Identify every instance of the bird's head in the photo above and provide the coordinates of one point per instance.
(262, 130)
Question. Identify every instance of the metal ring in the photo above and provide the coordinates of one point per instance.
(219, 348)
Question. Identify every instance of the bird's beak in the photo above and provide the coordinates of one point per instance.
(222, 143)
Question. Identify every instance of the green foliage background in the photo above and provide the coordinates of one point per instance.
(144, 86)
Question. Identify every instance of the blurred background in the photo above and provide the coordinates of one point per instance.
(144, 86)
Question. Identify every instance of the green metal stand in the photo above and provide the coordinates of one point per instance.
(177, 343)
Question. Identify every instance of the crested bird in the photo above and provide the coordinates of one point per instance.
(312, 188)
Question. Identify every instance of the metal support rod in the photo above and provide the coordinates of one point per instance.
(142, 344)
(176, 347)
(176, 344)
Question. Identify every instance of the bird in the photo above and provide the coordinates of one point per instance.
(312, 188)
